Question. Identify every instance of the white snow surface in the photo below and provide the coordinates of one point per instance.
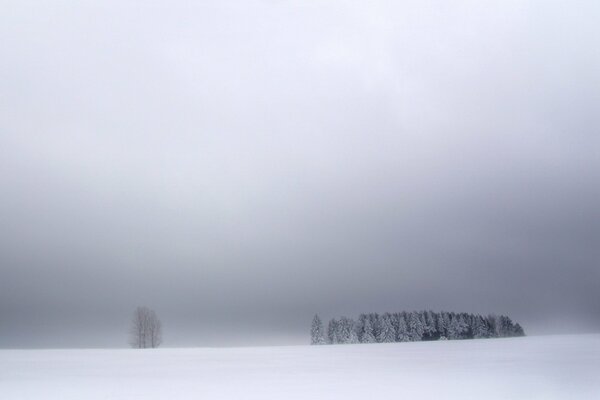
(545, 367)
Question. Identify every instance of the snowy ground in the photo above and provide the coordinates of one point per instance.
(553, 367)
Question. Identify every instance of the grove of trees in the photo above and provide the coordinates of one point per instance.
(412, 327)
(146, 329)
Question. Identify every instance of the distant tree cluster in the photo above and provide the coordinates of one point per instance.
(412, 327)
(146, 329)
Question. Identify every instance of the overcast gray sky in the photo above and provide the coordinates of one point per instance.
(241, 166)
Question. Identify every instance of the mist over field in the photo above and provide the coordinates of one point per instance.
(240, 166)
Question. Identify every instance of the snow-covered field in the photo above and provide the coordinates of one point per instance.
(553, 367)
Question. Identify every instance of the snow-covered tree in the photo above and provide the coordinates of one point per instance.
(395, 317)
(457, 328)
(494, 325)
(480, 328)
(331, 331)
(352, 336)
(442, 325)
(402, 330)
(367, 336)
(470, 322)
(518, 330)
(346, 332)
(415, 327)
(506, 326)
(430, 325)
(374, 319)
(316, 331)
(340, 337)
(387, 333)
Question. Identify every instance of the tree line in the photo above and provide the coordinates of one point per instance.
(412, 326)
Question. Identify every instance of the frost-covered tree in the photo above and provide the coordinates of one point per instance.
(457, 328)
(367, 336)
(506, 326)
(340, 329)
(518, 330)
(332, 331)
(480, 328)
(352, 336)
(442, 325)
(360, 327)
(415, 327)
(346, 331)
(430, 326)
(316, 331)
(402, 330)
(374, 319)
(454, 330)
(469, 320)
(494, 325)
(395, 317)
(387, 333)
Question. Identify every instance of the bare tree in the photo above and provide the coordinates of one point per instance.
(146, 329)
(154, 330)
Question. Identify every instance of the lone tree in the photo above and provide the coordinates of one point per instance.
(316, 331)
(146, 329)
